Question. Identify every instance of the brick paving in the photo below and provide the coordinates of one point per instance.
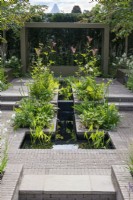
(73, 162)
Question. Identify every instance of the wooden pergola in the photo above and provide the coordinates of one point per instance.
(60, 25)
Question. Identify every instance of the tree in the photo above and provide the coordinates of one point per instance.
(13, 15)
(76, 9)
(117, 13)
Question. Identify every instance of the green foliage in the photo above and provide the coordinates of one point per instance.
(38, 136)
(3, 81)
(87, 61)
(13, 14)
(3, 149)
(4, 160)
(96, 140)
(130, 73)
(44, 84)
(123, 62)
(33, 113)
(98, 116)
(66, 91)
(76, 9)
(118, 14)
(64, 17)
(88, 89)
(130, 82)
(15, 64)
(130, 161)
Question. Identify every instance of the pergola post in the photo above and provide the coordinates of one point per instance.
(24, 49)
(105, 50)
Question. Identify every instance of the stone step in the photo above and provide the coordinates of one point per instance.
(67, 187)
(11, 97)
(119, 98)
(8, 105)
(123, 106)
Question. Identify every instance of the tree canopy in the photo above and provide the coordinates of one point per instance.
(117, 13)
(13, 14)
(76, 9)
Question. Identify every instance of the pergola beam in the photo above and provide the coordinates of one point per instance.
(64, 25)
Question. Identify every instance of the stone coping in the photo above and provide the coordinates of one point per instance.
(11, 181)
(123, 182)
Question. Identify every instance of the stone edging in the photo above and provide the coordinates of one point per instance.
(123, 182)
(11, 181)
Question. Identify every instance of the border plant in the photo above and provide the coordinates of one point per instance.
(96, 140)
(3, 148)
(98, 116)
(3, 79)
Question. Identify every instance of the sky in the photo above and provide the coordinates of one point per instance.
(65, 6)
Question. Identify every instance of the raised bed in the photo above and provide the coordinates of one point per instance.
(123, 182)
(122, 75)
(64, 71)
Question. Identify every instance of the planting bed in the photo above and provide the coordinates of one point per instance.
(68, 134)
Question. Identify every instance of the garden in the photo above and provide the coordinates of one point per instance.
(57, 100)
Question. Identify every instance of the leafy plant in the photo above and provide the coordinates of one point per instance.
(15, 64)
(66, 90)
(96, 140)
(32, 112)
(123, 62)
(88, 89)
(130, 74)
(4, 160)
(3, 81)
(39, 137)
(130, 162)
(100, 116)
(130, 81)
(3, 147)
(44, 84)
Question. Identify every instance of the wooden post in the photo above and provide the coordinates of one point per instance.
(105, 50)
(4, 48)
(126, 45)
(24, 49)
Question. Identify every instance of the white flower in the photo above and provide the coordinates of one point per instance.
(91, 70)
(4, 130)
(13, 116)
(86, 66)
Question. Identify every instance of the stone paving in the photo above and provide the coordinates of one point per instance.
(71, 162)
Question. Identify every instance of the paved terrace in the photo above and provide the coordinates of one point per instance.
(70, 162)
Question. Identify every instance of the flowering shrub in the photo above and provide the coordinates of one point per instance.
(14, 63)
(123, 62)
(87, 61)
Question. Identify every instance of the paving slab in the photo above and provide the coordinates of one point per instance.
(101, 183)
(67, 184)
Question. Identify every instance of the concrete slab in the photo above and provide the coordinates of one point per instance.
(67, 184)
(101, 184)
(34, 183)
